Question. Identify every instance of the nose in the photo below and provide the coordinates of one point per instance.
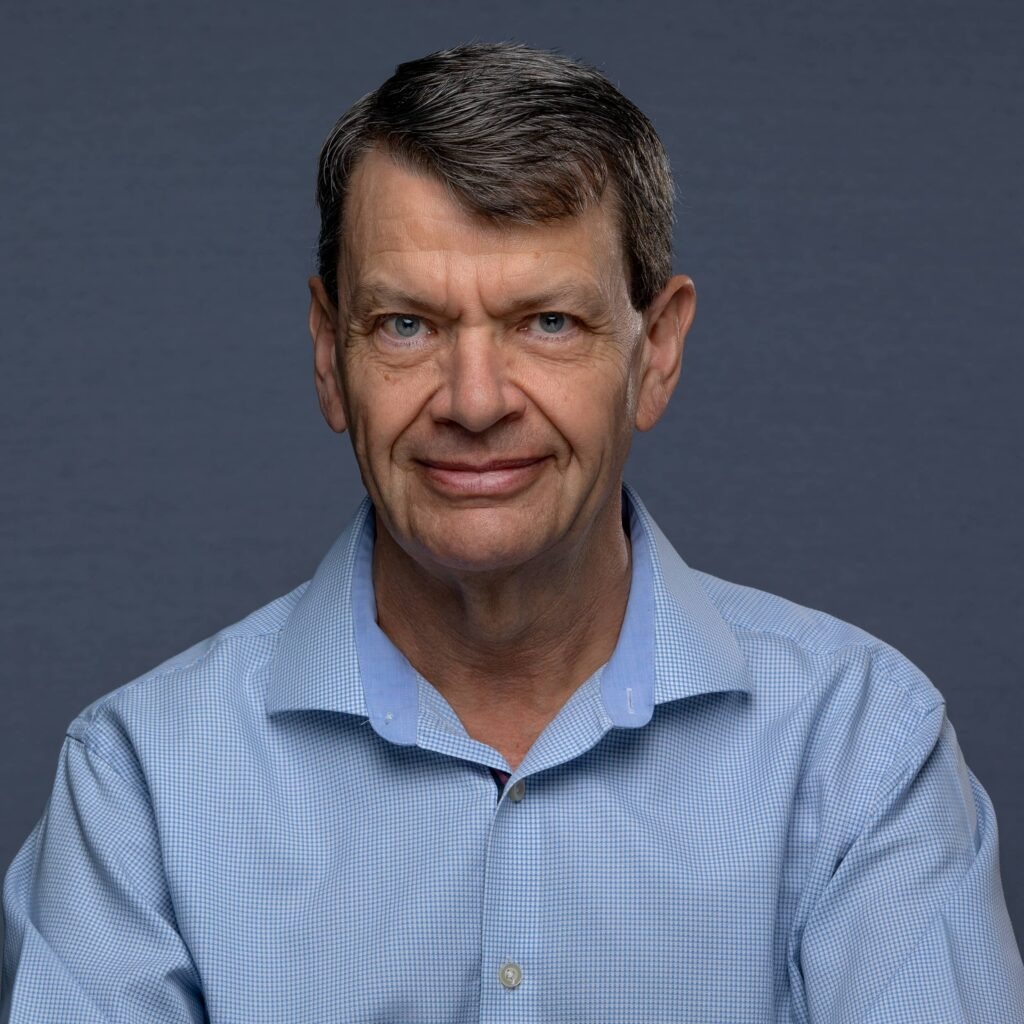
(477, 390)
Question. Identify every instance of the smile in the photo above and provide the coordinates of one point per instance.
(498, 478)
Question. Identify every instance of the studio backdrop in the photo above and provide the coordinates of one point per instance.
(846, 431)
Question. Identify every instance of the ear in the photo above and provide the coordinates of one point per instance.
(323, 329)
(666, 322)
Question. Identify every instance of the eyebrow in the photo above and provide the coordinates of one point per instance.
(569, 297)
(588, 302)
(381, 296)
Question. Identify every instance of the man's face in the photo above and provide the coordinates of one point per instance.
(459, 346)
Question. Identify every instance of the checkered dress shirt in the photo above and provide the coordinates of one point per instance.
(753, 812)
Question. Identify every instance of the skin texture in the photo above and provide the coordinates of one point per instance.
(505, 603)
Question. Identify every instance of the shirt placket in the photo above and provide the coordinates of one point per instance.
(509, 957)
(515, 965)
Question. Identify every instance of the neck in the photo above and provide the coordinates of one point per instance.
(507, 651)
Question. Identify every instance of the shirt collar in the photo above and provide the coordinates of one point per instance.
(332, 656)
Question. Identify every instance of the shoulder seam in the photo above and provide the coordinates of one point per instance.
(94, 751)
(814, 615)
(814, 650)
(154, 675)
(227, 633)
(769, 630)
(868, 643)
(926, 713)
(216, 640)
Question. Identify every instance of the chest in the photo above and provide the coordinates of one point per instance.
(597, 895)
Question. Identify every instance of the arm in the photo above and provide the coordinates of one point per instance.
(912, 927)
(90, 930)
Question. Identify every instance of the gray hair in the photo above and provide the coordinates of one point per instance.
(517, 135)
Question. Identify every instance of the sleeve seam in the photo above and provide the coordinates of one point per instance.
(939, 912)
(94, 751)
(874, 809)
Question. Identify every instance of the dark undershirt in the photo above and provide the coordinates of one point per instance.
(500, 778)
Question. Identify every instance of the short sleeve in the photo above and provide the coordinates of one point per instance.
(90, 930)
(912, 927)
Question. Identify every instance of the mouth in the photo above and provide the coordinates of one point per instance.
(491, 478)
(482, 467)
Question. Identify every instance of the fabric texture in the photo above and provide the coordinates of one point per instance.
(753, 812)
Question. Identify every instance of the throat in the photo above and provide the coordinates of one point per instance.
(506, 654)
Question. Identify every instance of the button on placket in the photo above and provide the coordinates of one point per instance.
(510, 974)
(507, 929)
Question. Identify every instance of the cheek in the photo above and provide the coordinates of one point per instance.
(587, 408)
(386, 403)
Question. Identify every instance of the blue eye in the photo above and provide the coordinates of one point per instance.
(551, 323)
(405, 326)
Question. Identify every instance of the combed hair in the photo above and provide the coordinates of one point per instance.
(517, 135)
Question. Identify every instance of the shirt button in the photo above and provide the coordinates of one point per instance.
(518, 791)
(510, 974)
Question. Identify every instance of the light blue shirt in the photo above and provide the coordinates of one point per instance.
(752, 812)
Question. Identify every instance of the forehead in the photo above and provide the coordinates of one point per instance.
(400, 221)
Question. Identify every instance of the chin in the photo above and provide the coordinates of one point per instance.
(485, 538)
(480, 552)
(480, 558)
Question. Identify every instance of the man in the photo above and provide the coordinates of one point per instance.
(506, 756)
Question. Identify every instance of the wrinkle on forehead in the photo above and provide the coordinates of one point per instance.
(405, 227)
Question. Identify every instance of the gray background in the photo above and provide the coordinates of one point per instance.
(846, 431)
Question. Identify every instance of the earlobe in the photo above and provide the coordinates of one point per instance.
(323, 319)
(668, 321)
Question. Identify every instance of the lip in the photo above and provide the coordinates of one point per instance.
(495, 478)
(483, 467)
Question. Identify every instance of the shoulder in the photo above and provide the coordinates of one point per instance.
(215, 678)
(846, 714)
(806, 649)
(845, 709)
